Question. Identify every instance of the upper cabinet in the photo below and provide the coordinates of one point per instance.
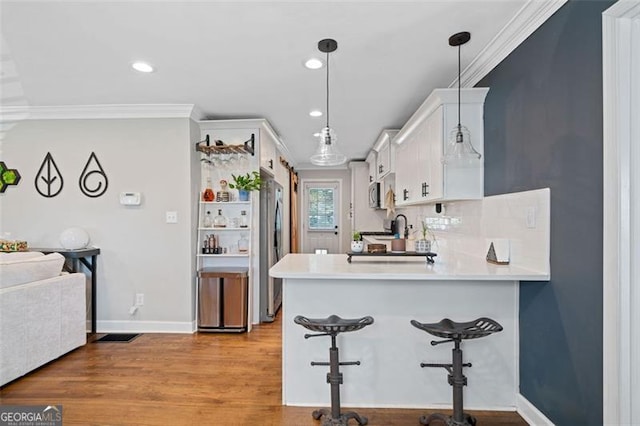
(385, 157)
(373, 165)
(420, 175)
(268, 151)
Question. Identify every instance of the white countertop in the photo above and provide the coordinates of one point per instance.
(446, 267)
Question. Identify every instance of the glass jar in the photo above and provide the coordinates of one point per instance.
(207, 194)
(208, 220)
(220, 221)
(243, 244)
(244, 219)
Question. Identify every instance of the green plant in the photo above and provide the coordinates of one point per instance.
(247, 182)
(426, 232)
(357, 236)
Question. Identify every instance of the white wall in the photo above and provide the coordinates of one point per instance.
(140, 253)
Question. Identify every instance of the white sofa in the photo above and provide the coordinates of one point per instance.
(42, 312)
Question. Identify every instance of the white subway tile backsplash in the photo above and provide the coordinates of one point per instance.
(523, 218)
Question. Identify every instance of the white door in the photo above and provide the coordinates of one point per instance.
(321, 217)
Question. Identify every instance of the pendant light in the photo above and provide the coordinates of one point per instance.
(327, 153)
(459, 150)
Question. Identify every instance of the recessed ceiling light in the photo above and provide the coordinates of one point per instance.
(315, 113)
(316, 135)
(314, 63)
(142, 67)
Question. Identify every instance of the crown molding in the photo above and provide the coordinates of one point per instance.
(528, 19)
(85, 112)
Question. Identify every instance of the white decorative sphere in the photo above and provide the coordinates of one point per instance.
(74, 238)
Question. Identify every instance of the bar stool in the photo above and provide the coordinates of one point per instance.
(456, 332)
(332, 326)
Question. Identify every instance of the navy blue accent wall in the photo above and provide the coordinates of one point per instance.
(543, 128)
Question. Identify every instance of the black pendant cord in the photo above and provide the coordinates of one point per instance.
(328, 91)
(459, 88)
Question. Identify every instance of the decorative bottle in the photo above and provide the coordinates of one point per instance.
(208, 194)
(208, 220)
(244, 220)
(219, 221)
(243, 244)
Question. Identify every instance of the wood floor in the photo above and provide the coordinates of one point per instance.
(184, 379)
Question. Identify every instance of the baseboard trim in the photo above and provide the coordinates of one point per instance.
(430, 407)
(145, 327)
(530, 413)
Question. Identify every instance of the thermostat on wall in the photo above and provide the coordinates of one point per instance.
(130, 198)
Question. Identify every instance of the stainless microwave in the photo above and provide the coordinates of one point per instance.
(374, 195)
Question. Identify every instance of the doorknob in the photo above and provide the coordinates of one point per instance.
(336, 230)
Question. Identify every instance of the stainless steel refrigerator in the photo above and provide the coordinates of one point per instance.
(270, 247)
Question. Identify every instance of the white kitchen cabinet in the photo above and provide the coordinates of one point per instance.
(420, 176)
(280, 172)
(268, 153)
(385, 158)
(373, 165)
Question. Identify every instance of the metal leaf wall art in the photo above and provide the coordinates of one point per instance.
(49, 180)
(93, 180)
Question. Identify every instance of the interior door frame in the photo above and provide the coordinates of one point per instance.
(621, 213)
(303, 210)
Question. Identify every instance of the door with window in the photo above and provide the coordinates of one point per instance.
(321, 217)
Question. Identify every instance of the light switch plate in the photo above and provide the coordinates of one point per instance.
(531, 217)
(172, 217)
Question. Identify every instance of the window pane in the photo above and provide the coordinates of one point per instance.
(321, 215)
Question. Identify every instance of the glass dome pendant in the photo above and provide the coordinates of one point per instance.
(327, 153)
(459, 150)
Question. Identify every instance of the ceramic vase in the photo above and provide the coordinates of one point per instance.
(357, 246)
(423, 246)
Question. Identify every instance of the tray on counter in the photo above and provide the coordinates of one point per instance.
(429, 255)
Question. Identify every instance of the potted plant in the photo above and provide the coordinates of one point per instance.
(357, 245)
(245, 183)
(424, 245)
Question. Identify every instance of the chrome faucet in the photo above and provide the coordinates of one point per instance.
(406, 226)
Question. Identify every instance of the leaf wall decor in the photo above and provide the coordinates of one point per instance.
(49, 181)
(100, 182)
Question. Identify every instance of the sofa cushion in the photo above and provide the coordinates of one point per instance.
(19, 255)
(21, 271)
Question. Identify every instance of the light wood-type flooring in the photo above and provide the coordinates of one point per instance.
(185, 379)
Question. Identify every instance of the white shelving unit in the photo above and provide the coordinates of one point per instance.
(227, 237)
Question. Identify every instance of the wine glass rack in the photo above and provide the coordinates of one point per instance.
(219, 147)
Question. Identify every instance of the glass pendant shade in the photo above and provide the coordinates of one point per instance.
(459, 150)
(327, 153)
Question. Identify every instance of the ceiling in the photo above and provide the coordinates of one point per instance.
(245, 59)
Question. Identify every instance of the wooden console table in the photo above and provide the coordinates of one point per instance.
(87, 257)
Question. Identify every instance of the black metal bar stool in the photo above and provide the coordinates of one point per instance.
(456, 332)
(332, 326)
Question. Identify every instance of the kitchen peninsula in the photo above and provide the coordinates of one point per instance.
(393, 291)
